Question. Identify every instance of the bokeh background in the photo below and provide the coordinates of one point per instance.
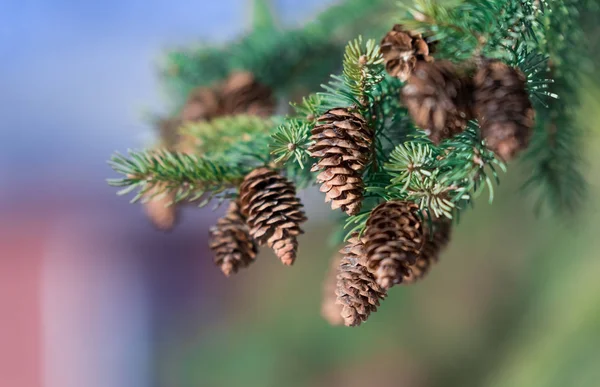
(91, 295)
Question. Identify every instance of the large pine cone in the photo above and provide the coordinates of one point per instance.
(273, 212)
(202, 104)
(342, 144)
(503, 108)
(241, 93)
(402, 49)
(394, 237)
(357, 291)
(434, 244)
(231, 241)
(438, 99)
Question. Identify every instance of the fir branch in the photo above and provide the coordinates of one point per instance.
(535, 67)
(468, 165)
(445, 179)
(223, 133)
(363, 70)
(160, 172)
(356, 224)
(291, 141)
(309, 109)
(408, 162)
(285, 60)
(389, 118)
(432, 195)
(555, 152)
(461, 25)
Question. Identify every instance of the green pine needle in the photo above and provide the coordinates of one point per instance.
(159, 172)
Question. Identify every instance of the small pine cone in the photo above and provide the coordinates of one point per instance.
(402, 49)
(202, 104)
(438, 99)
(241, 93)
(430, 251)
(393, 239)
(161, 209)
(168, 130)
(342, 144)
(172, 139)
(273, 212)
(231, 241)
(357, 291)
(330, 309)
(503, 108)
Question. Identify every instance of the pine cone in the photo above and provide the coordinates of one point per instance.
(273, 212)
(430, 251)
(402, 49)
(330, 310)
(230, 240)
(161, 209)
(168, 130)
(342, 145)
(438, 99)
(202, 104)
(393, 239)
(504, 110)
(357, 291)
(242, 93)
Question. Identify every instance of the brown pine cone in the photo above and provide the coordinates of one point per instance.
(342, 144)
(161, 209)
(330, 310)
(357, 291)
(393, 239)
(241, 93)
(202, 104)
(402, 49)
(172, 139)
(431, 249)
(438, 98)
(168, 130)
(231, 241)
(503, 108)
(273, 212)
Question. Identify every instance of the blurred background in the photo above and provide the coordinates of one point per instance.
(91, 295)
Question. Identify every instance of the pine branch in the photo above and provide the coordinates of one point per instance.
(445, 179)
(362, 71)
(160, 172)
(556, 147)
(372, 161)
(230, 136)
(530, 35)
(291, 141)
(284, 60)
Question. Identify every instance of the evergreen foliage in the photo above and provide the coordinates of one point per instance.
(542, 38)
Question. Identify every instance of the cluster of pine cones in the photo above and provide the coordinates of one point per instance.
(267, 212)
(240, 93)
(398, 246)
(400, 242)
(442, 97)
